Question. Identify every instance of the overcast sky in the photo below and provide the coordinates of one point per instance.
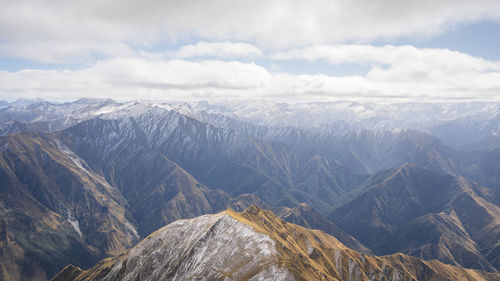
(316, 50)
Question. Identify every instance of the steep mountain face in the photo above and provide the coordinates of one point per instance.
(425, 214)
(486, 168)
(158, 190)
(16, 127)
(318, 129)
(281, 176)
(363, 151)
(256, 245)
(53, 209)
(371, 150)
(56, 208)
(183, 140)
(303, 215)
(307, 217)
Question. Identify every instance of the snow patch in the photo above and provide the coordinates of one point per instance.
(81, 164)
(74, 223)
(132, 229)
(71, 155)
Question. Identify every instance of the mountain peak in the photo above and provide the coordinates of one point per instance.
(252, 210)
(257, 245)
(407, 167)
(209, 247)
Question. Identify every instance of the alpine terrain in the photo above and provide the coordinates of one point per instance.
(256, 245)
(97, 189)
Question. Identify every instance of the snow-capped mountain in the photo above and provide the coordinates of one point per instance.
(470, 121)
(454, 123)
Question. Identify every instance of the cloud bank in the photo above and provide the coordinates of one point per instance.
(219, 49)
(396, 73)
(38, 29)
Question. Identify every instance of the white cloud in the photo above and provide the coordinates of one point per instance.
(406, 71)
(388, 55)
(396, 73)
(217, 50)
(269, 24)
(107, 37)
(130, 78)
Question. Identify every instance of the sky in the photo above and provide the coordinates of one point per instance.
(293, 51)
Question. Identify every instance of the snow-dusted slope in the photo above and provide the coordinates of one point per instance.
(47, 116)
(209, 247)
(357, 115)
(455, 123)
(256, 245)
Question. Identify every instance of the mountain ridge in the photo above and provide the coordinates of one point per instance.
(424, 213)
(310, 255)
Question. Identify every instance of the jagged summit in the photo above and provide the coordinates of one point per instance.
(257, 245)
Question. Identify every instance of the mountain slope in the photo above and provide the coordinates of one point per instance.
(53, 209)
(369, 141)
(486, 144)
(485, 168)
(276, 173)
(256, 245)
(50, 195)
(427, 215)
(307, 217)
(130, 154)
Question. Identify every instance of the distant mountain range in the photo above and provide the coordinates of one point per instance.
(84, 180)
(454, 123)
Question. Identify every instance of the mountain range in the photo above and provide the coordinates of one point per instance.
(86, 180)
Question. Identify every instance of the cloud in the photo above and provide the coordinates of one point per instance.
(396, 73)
(132, 78)
(388, 55)
(217, 50)
(112, 40)
(97, 25)
(407, 72)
